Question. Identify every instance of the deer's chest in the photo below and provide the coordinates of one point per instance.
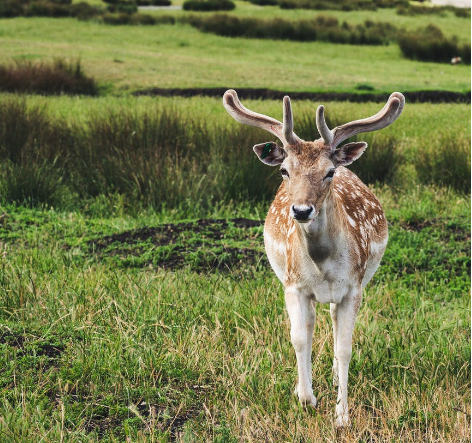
(320, 270)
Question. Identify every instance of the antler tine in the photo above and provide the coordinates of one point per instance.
(325, 132)
(389, 113)
(290, 136)
(243, 115)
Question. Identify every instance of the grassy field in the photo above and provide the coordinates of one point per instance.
(108, 333)
(136, 302)
(124, 58)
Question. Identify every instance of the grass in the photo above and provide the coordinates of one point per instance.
(159, 155)
(96, 348)
(151, 314)
(131, 58)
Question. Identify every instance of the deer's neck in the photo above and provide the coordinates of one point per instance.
(320, 238)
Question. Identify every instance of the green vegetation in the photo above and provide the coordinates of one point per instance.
(99, 344)
(136, 301)
(322, 28)
(160, 155)
(181, 56)
(429, 44)
(59, 77)
(208, 5)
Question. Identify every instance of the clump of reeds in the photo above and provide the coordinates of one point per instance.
(58, 77)
(163, 158)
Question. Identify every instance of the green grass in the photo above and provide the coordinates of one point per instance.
(115, 324)
(95, 348)
(146, 153)
(124, 58)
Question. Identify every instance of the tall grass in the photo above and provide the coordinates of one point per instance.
(162, 156)
(58, 77)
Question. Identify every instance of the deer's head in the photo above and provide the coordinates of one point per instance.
(308, 168)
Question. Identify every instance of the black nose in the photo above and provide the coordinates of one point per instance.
(302, 212)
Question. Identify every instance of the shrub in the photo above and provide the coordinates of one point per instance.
(46, 9)
(208, 5)
(129, 19)
(10, 8)
(123, 7)
(60, 77)
(165, 19)
(116, 19)
(264, 2)
(142, 19)
(154, 2)
(84, 11)
(462, 12)
(61, 2)
(429, 44)
(322, 28)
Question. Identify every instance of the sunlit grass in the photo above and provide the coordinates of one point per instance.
(136, 57)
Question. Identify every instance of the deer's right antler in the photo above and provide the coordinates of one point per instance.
(284, 132)
(389, 113)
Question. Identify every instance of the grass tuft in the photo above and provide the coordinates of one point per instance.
(58, 77)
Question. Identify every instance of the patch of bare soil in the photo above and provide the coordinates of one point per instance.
(209, 240)
(447, 228)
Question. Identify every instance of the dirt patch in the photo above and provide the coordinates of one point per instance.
(204, 245)
(22, 343)
(447, 227)
(270, 94)
(170, 417)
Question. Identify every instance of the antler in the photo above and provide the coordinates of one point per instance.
(284, 132)
(389, 113)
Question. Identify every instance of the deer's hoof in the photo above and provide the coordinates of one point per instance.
(342, 421)
(308, 401)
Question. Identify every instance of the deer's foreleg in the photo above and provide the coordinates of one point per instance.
(344, 317)
(302, 321)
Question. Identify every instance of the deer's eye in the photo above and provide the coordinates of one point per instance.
(284, 173)
(330, 174)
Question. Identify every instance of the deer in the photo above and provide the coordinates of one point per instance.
(325, 232)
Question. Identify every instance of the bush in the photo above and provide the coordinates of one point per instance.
(116, 19)
(129, 19)
(11, 8)
(322, 28)
(165, 19)
(154, 2)
(208, 5)
(123, 7)
(84, 11)
(142, 19)
(59, 77)
(264, 2)
(46, 9)
(429, 44)
(462, 12)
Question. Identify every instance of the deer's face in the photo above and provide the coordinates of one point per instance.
(307, 171)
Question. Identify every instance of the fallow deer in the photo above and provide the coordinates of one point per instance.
(325, 232)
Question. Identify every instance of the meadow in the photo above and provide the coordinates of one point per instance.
(136, 302)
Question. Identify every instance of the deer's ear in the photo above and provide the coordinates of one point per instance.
(347, 153)
(270, 153)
